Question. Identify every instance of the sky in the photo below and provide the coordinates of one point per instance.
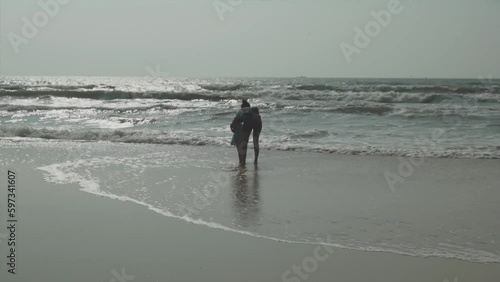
(250, 38)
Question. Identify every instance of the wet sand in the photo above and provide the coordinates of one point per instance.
(65, 234)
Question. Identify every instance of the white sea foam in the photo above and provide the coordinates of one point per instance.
(292, 143)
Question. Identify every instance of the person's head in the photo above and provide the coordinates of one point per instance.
(245, 104)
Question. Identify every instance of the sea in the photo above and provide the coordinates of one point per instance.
(403, 117)
(400, 117)
(146, 140)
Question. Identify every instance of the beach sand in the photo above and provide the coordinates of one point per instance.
(65, 234)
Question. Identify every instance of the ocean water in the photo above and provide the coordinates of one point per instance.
(404, 117)
(160, 140)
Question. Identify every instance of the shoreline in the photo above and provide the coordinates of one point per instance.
(316, 150)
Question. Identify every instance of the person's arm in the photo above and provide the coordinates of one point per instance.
(238, 119)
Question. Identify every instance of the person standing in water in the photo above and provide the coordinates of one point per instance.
(247, 120)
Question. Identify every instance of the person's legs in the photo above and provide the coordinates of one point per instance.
(256, 135)
(242, 147)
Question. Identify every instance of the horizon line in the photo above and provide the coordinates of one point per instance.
(254, 77)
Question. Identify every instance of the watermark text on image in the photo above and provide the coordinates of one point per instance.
(202, 199)
(223, 6)
(32, 26)
(309, 265)
(12, 221)
(363, 37)
(121, 277)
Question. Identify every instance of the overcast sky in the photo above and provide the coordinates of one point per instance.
(187, 38)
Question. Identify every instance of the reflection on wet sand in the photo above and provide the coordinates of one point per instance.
(246, 199)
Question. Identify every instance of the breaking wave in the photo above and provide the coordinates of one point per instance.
(111, 95)
(363, 109)
(156, 137)
(435, 89)
(380, 97)
(224, 87)
(31, 108)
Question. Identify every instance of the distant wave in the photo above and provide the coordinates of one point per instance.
(111, 95)
(49, 87)
(284, 94)
(166, 138)
(31, 108)
(387, 97)
(437, 89)
(363, 109)
(224, 87)
(411, 98)
(318, 87)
